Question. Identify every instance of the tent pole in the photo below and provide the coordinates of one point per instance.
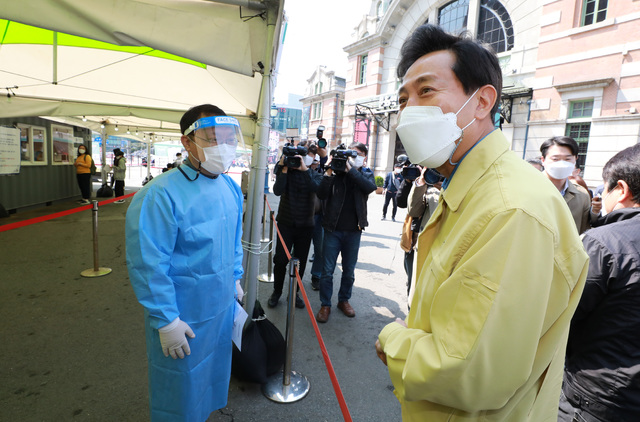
(255, 195)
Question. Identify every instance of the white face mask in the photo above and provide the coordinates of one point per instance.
(308, 160)
(428, 135)
(82, 151)
(559, 169)
(218, 158)
(357, 162)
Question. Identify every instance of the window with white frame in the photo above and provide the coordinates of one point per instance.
(579, 127)
(317, 111)
(63, 148)
(452, 17)
(594, 11)
(32, 145)
(362, 76)
(494, 26)
(318, 88)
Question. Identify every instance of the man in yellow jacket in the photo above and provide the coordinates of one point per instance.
(500, 267)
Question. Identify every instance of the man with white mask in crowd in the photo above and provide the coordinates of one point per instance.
(296, 185)
(184, 256)
(499, 269)
(559, 156)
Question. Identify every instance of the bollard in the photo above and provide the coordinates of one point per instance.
(291, 386)
(268, 276)
(96, 271)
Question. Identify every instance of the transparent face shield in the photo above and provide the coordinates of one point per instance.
(223, 135)
(217, 130)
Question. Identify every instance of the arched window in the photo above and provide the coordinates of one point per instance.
(494, 26)
(452, 17)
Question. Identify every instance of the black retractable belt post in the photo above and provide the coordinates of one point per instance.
(96, 271)
(268, 276)
(292, 386)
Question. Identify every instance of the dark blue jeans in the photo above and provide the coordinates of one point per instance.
(318, 235)
(346, 243)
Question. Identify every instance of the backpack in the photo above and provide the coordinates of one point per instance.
(92, 170)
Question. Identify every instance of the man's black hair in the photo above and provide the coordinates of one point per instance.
(194, 113)
(563, 141)
(625, 165)
(476, 64)
(360, 147)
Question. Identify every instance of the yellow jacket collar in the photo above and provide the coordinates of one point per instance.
(483, 155)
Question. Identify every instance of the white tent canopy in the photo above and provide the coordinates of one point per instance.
(231, 48)
(134, 89)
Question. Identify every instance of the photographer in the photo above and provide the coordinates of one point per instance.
(296, 184)
(345, 189)
(422, 201)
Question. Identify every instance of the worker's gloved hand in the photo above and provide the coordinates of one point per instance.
(173, 338)
(239, 291)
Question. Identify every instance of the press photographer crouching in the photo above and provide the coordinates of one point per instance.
(345, 189)
(296, 185)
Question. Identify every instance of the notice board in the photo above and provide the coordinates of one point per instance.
(9, 150)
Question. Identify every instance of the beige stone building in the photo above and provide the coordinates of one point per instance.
(323, 104)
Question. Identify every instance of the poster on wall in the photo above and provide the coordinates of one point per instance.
(9, 150)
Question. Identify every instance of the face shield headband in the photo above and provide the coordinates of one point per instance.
(217, 130)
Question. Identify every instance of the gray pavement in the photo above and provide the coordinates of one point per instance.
(74, 347)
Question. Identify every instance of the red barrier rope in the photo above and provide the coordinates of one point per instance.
(35, 220)
(325, 355)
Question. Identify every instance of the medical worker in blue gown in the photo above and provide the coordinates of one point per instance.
(184, 254)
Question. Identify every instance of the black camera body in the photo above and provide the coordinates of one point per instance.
(290, 152)
(411, 172)
(339, 158)
(322, 143)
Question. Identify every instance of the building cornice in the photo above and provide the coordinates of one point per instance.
(582, 85)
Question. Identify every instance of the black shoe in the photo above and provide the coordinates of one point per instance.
(315, 282)
(393, 219)
(273, 300)
(299, 301)
(383, 218)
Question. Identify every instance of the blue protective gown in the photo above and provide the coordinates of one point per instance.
(184, 254)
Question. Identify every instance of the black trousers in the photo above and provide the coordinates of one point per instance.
(119, 188)
(84, 182)
(390, 196)
(298, 241)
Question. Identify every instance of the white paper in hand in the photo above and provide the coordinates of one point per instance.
(239, 317)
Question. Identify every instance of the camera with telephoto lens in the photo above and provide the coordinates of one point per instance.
(290, 152)
(322, 143)
(339, 157)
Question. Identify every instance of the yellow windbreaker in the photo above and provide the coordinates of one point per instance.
(500, 270)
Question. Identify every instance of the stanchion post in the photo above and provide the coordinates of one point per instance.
(264, 221)
(268, 277)
(292, 386)
(96, 271)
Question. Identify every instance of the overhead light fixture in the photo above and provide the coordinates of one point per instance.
(128, 131)
(101, 125)
(116, 128)
(84, 118)
(136, 131)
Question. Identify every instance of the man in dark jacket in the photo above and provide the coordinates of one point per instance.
(602, 368)
(391, 186)
(296, 188)
(345, 195)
